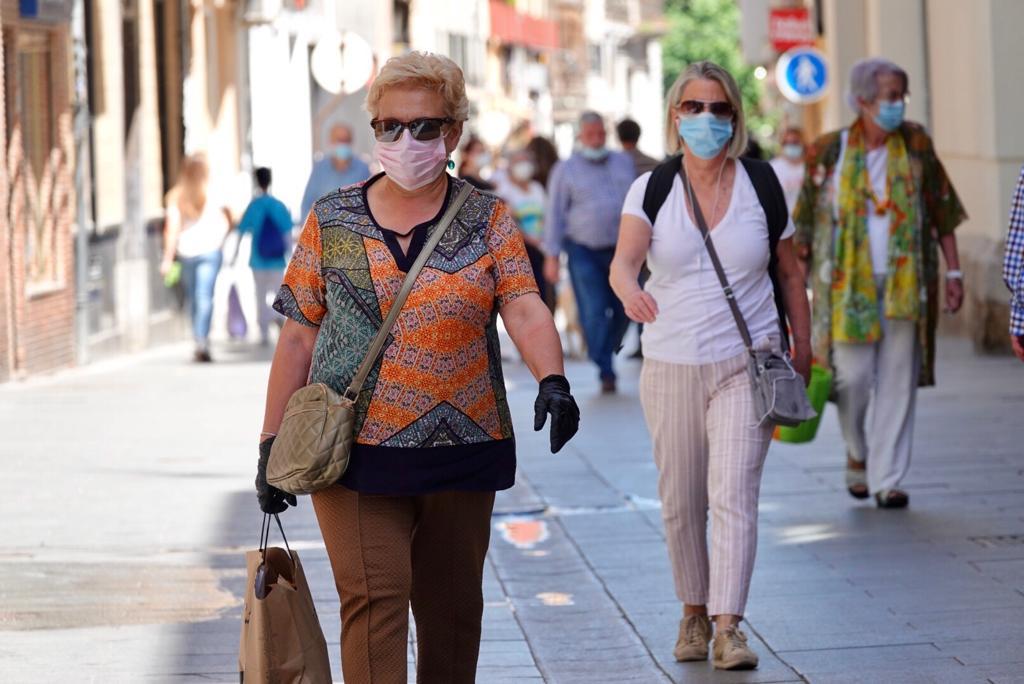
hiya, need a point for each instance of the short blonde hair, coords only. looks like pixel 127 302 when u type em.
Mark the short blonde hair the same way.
pixel 422 70
pixel 711 72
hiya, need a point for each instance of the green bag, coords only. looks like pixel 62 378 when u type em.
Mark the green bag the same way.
pixel 817 392
pixel 173 276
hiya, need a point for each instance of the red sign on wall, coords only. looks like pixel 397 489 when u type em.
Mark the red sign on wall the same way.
pixel 790 27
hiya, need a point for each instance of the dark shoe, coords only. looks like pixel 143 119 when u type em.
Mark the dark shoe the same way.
pixel 892 498
pixel 608 386
pixel 202 356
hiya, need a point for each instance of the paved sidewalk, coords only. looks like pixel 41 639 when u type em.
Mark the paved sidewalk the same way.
pixel 126 505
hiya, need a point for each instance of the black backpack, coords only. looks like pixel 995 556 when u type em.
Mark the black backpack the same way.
pixel 769 194
pixel 269 241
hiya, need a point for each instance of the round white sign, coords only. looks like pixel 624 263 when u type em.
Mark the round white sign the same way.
pixel 342 63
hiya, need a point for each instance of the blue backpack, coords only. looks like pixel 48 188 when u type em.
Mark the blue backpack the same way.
pixel 269 240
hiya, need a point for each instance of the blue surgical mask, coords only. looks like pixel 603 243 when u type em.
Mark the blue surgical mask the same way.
pixel 594 154
pixel 343 151
pixel 793 152
pixel 704 134
pixel 890 115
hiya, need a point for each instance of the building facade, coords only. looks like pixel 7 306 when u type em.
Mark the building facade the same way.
pixel 37 199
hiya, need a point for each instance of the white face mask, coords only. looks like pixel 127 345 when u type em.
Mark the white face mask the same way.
pixel 412 163
pixel 522 170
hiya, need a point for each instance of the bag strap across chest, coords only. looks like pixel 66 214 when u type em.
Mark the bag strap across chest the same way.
pixel 377 345
pixel 769 195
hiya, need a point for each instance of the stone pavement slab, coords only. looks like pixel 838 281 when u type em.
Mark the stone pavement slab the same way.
pixel 126 508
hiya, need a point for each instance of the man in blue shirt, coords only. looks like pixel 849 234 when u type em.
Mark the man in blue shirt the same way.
pixel 337 168
pixel 270 223
pixel 585 196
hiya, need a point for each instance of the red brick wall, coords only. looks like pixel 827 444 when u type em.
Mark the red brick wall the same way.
pixel 40 333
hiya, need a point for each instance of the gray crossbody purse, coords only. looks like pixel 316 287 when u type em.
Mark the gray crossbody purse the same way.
pixel 780 395
pixel 315 439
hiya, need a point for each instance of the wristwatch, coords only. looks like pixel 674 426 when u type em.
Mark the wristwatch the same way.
pixel 955 274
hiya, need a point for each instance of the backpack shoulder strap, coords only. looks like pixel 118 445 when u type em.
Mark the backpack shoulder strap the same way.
pixel 660 185
pixel 773 201
pixel 770 195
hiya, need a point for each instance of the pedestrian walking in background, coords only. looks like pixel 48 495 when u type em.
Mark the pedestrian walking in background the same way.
pixel 545 156
pixel 269 222
pixel 196 224
pixel 789 164
pixel 697 396
pixel 475 158
pixel 584 201
pixel 526 198
pixel 628 132
pixel 337 168
pixel 1013 268
pixel 410 519
pixel 875 202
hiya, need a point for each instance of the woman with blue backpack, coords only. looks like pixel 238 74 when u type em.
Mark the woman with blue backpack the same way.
pixel 270 223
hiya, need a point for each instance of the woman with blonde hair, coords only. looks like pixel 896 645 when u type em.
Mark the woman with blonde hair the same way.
pixel 697 396
pixel 195 227
pixel 410 519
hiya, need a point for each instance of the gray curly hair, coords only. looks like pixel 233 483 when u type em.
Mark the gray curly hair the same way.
pixel 864 80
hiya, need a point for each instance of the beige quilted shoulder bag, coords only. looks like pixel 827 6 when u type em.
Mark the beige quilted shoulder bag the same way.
pixel 316 434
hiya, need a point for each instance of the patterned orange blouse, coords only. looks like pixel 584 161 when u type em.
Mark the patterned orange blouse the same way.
pixel 433 414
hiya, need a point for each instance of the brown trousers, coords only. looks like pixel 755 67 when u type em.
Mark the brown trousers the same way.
pixel 389 551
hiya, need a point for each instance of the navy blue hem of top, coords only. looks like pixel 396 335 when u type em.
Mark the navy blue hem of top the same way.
pixel 398 471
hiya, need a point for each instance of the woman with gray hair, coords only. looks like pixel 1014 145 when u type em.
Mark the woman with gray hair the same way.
pixel 410 519
pixel 709 442
pixel 875 206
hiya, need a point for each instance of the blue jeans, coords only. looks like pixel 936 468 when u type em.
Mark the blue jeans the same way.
pixel 602 317
pixel 198 275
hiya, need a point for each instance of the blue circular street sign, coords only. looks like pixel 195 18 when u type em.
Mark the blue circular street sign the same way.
pixel 802 75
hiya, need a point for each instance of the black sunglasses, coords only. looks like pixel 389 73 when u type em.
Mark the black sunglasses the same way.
pixel 425 128
pixel 718 108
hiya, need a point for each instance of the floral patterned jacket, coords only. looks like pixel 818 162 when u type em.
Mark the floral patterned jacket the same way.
pixel 940 213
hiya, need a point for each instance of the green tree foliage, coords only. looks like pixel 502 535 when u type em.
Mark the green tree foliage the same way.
pixel 710 29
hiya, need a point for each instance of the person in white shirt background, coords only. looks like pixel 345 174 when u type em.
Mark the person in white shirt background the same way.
pixel 196 225
pixel 789 165
pixel 709 443
pixel 525 198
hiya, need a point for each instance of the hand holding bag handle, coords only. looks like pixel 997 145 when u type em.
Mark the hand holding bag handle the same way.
pixel 779 392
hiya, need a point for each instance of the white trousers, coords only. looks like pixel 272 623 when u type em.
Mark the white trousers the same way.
pixel 876 384
pixel 710 453
pixel 266 281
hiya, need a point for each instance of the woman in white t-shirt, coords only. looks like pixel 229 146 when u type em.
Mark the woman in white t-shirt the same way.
pixel 194 231
pixel 709 443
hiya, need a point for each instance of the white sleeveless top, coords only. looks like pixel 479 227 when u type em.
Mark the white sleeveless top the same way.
pixel 201 235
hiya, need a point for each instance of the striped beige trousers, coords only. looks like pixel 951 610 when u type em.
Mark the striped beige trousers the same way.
pixel 710 454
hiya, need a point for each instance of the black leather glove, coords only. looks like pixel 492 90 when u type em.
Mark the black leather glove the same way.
pixel 553 397
pixel 272 500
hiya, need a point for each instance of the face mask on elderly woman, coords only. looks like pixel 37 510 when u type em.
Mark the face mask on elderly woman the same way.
pixel 890 115
pixel 412 163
